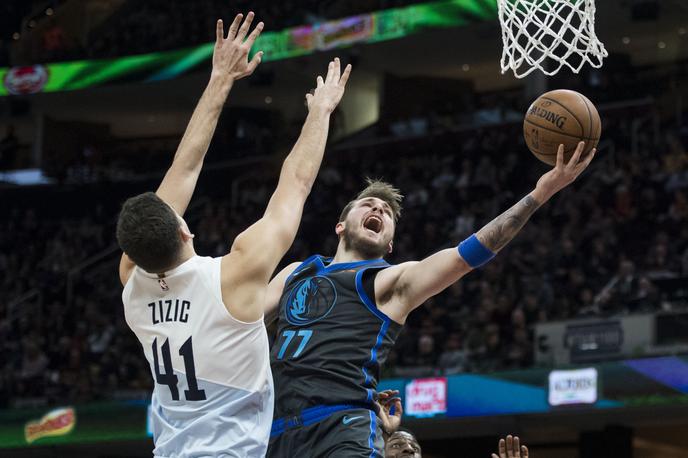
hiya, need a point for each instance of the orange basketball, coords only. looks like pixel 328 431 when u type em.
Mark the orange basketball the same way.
pixel 561 117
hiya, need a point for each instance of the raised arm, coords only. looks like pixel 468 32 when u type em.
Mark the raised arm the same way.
pixel 410 284
pixel 230 63
pixel 256 252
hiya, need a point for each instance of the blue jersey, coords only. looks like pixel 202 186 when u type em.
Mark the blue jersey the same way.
pixel 331 338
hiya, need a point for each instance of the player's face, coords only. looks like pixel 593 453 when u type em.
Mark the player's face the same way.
pixel 369 228
pixel 402 444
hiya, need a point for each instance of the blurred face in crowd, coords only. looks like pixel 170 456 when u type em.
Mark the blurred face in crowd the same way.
pixel 402 444
pixel 368 228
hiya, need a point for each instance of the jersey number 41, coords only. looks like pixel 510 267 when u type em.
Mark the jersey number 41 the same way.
pixel 169 378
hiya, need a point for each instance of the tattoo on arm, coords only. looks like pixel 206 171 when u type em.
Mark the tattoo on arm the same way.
pixel 501 230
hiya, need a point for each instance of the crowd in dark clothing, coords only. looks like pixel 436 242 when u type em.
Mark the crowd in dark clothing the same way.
pixel 597 248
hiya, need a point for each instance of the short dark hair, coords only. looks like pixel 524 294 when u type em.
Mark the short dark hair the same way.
pixel 148 232
pixel 381 190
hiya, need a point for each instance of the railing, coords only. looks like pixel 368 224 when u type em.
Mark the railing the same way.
pixel 22 304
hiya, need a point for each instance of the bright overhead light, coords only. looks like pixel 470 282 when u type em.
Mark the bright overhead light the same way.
pixel 16 36
pixel 49 12
pixel 626 40
pixel 661 45
pixel 268 100
pixel 465 67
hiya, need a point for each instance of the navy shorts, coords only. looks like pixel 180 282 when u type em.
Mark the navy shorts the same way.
pixel 353 433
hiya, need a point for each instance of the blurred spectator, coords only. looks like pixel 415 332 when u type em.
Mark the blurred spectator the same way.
pixel 453 359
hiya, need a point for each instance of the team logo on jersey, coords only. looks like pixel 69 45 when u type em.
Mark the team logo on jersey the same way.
pixel 311 300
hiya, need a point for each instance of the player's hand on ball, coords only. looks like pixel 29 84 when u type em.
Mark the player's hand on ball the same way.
pixel 230 56
pixel 564 174
pixel 329 91
pixel 511 448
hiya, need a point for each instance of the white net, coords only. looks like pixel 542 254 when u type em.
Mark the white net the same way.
pixel 548 35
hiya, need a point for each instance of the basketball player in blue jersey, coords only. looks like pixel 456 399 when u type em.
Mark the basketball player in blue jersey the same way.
pixel 338 317
pixel 199 319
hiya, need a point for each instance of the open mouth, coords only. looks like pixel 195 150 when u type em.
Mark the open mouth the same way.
pixel 373 223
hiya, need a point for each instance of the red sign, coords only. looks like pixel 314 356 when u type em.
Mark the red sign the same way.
pixel 426 397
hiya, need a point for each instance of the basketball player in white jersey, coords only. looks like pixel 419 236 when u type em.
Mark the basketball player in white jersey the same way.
pixel 200 319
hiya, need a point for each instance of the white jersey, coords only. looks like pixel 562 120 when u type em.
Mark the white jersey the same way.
pixel 213 394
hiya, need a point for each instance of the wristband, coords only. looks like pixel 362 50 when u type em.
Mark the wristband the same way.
pixel 475 253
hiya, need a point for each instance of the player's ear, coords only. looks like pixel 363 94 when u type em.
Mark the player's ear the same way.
pixel 339 228
pixel 390 247
pixel 185 233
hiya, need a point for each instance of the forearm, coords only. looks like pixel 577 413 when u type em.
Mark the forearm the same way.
pixel 501 230
pixel 179 182
pixel 303 162
pixel 199 132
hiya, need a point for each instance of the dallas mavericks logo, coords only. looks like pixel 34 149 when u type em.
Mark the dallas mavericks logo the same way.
pixel 311 300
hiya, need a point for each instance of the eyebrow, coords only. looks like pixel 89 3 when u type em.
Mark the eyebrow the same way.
pixel 384 204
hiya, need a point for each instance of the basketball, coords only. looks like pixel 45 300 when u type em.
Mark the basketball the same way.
pixel 561 117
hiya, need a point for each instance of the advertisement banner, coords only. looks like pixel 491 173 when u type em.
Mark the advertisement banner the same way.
pixel 426 397
pixel 573 387
pixel 646 382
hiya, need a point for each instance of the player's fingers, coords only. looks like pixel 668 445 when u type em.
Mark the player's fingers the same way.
pixel 330 72
pixel 254 35
pixel 309 97
pixel 337 69
pixel 219 32
pixel 398 410
pixel 576 155
pixel 494 456
pixel 257 59
pixel 345 76
pixel 243 30
pixel 516 447
pixel 235 26
pixel 320 81
pixel 509 445
pixel 583 164
pixel 560 157
pixel 524 451
pixel 502 448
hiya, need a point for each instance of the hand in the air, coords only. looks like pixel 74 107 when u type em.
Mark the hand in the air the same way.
pixel 329 91
pixel 230 56
pixel 511 448
pixel 386 399
pixel 564 174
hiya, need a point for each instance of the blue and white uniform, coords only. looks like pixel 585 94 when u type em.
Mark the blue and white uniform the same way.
pixel 213 394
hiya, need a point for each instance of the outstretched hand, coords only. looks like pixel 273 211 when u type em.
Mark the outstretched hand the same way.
pixel 230 56
pixel 564 174
pixel 387 399
pixel 511 448
pixel 329 91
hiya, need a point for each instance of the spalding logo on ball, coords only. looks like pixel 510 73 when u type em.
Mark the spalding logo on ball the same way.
pixel 561 117
pixel 26 80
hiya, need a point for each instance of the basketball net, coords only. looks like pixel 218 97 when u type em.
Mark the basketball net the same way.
pixel 548 35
